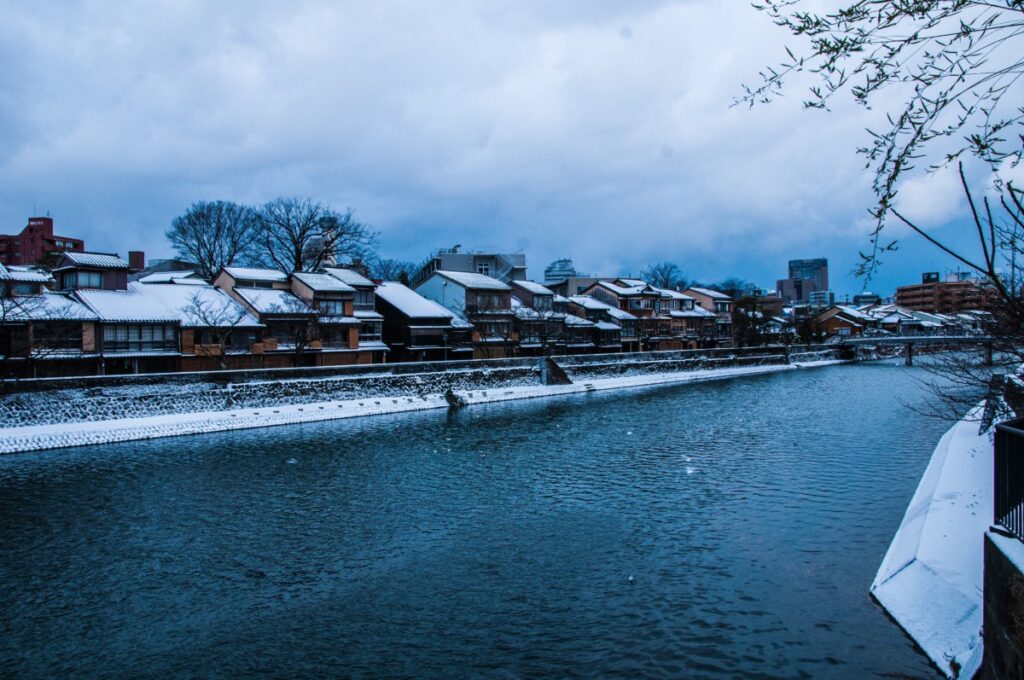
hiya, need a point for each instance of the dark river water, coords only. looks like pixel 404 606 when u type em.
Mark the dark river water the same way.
pixel 715 530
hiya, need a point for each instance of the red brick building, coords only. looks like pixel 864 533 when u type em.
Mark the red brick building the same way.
pixel 36 243
pixel 945 297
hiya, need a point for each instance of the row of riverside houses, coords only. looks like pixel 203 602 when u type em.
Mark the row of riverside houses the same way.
pixel 85 317
pixel 877 319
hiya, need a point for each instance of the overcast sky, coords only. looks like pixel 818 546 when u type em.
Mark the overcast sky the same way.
pixel 601 133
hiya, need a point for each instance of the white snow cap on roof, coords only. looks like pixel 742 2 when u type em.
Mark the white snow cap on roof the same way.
pixel 127 306
pixel 674 294
pixel 47 307
pixel 323 282
pixel 167 277
pixel 273 301
pixel 633 283
pixel 197 306
pixel 102 260
pixel 411 303
pixel 710 293
pixel 473 280
pixel 349 276
pixel 256 274
pixel 587 302
pixel 18 274
pixel 533 287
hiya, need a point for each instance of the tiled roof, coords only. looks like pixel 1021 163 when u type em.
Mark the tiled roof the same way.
pixel 323 282
pixel 271 301
pixel 472 280
pixel 99 260
pixel 352 278
pixel 256 274
pixel 411 303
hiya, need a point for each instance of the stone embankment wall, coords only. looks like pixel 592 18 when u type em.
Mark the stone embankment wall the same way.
pixel 98 398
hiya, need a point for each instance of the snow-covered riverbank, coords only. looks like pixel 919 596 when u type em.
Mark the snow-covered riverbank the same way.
pixel 36 437
pixel 930 581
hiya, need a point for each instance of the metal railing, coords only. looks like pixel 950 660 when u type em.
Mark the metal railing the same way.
pixel 1009 477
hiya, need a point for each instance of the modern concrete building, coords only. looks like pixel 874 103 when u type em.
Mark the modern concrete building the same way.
pixel 504 267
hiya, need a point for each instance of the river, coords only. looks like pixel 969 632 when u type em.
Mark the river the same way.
pixel 717 530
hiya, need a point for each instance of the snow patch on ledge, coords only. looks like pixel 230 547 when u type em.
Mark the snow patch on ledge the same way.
pixel 33 438
pixel 930 581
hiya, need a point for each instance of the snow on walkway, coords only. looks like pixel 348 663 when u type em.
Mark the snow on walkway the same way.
pixel 930 581
pixel 38 437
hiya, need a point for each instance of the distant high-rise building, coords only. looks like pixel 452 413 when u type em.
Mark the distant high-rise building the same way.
pixel 559 270
pixel 805 277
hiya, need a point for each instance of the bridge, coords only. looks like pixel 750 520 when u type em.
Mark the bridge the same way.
pixel 910 341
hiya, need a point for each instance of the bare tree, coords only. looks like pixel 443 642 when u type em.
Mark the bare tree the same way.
pixel 299 234
pixel 34 328
pixel 217 316
pixel 388 269
pixel 302 329
pixel 665 275
pixel 959 378
pixel 955 66
pixel 213 234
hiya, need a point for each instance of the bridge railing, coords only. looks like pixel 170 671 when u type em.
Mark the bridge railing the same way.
pixel 1009 477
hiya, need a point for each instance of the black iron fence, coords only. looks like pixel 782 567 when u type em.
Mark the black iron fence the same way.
pixel 1009 477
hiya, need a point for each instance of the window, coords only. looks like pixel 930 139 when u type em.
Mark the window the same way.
pixel 492 329
pixel 90 279
pixel 334 336
pixel 139 337
pixel 364 299
pixel 483 268
pixel 490 301
pixel 57 335
pixel 332 307
pixel 369 331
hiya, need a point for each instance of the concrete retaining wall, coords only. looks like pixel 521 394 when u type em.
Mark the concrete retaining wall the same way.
pixel 98 398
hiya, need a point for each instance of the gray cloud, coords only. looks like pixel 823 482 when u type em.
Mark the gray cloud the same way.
pixel 600 131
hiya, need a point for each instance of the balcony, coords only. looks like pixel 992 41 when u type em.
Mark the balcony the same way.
pixel 1009 477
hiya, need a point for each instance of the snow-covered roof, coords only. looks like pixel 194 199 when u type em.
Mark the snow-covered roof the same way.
pixel 625 291
pixel 349 276
pixel 607 326
pixel 323 282
pixel 99 260
pixel 573 320
pixel 126 306
pixel 46 307
pixel 620 314
pixel 591 303
pixel 560 299
pixel 458 322
pixel 367 314
pixel 168 277
pixel 674 294
pixel 710 293
pixel 587 302
pixel 23 275
pixel 633 283
pixel 473 280
pixel 533 287
pixel 256 274
pixel 272 301
pixel 695 313
pixel 196 306
pixel 411 303
pixel 854 313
